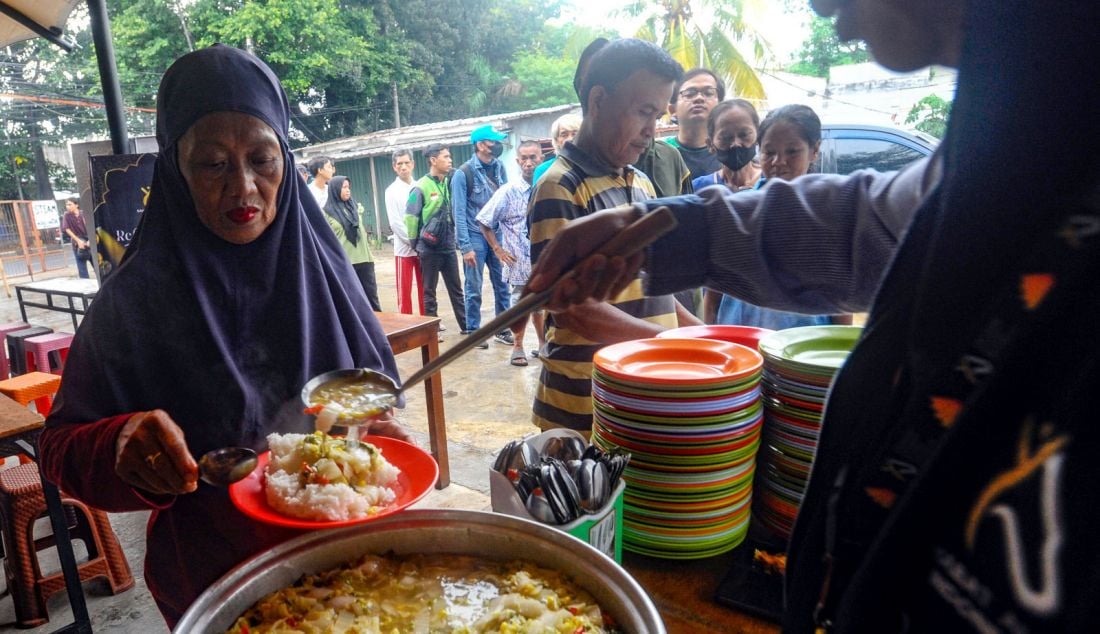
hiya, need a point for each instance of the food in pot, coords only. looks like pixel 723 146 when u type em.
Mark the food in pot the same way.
pixel 428 593
pixel 318 477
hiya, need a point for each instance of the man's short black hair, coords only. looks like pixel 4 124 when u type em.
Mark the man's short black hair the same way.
pixel 74 200
pixel 398 154
pixel 316 163
pixel 695 72
pixel 433 150
pixel 615 61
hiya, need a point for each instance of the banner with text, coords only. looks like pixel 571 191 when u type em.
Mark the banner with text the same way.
pixel 120 189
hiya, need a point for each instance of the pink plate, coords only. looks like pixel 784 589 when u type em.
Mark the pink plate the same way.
pixel 418 474
pixel 745 335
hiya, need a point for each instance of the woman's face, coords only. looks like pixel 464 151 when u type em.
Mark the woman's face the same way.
pixel 784 154
pixel 733 128
pixel 233 165
pixel 345 191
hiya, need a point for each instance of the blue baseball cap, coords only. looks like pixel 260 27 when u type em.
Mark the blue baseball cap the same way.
pixel 486 133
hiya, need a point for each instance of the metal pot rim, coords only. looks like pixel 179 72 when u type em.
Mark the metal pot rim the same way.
pixel 481 533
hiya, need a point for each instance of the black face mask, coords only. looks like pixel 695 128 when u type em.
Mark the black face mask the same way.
pixel 736 157
pixel 496 149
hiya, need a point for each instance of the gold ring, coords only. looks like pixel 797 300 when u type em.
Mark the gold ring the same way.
pixel 152 459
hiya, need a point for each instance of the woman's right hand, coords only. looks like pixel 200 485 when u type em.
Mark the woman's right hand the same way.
pixel 151 454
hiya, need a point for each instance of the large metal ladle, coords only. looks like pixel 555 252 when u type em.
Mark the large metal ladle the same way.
pixel 638 235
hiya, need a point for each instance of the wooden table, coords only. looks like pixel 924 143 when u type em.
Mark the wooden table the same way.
pixel 408 332
pixel 683 592
pixel 66 295
pixel 19 429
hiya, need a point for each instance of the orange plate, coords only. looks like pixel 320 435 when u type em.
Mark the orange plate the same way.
pixel 418 474
pixel 678 361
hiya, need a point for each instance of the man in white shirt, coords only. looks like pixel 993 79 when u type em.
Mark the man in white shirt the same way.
pixel 405 258
pixel 322 170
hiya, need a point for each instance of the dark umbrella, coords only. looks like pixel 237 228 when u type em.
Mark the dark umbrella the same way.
pixel 23 19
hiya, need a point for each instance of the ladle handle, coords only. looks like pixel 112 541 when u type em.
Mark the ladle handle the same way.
pixel 635 237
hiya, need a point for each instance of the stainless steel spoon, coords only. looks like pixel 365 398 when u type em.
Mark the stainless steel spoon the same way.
pixel 384 391
pixel 222 467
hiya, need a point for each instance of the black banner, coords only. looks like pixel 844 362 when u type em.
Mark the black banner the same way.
pixel 120 189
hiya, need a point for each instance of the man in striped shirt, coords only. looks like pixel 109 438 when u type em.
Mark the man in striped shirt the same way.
pixel 623 86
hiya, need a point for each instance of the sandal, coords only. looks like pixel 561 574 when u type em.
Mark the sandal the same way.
pixel 519 358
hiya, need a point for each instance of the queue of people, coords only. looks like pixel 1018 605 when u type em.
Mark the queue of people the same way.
pixel 953 483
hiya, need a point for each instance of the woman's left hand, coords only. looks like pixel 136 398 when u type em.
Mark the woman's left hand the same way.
pixel 385 424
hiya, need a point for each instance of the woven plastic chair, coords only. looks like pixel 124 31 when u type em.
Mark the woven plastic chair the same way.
pixel 21 504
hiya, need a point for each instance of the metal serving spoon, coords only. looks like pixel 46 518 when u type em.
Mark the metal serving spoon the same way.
pixel 222 467
pixel 384 390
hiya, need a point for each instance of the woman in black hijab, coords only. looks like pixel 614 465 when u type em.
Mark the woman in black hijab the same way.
pixel 343 216
pixel 232 295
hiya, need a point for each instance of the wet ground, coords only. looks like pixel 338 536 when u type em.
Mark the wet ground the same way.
pixel 487 403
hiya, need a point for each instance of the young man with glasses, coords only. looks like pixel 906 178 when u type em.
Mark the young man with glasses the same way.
pixel 692 100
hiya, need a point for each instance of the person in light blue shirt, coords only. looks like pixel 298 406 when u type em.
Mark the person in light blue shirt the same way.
pixel 472 184
pixel 506 215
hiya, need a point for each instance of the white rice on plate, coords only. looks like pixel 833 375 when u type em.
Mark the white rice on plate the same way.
pixel 318 477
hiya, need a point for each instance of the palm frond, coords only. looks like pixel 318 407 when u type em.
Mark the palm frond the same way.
pixel 736 71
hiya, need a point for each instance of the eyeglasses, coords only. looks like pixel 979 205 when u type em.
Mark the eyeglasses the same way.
pixel 692 93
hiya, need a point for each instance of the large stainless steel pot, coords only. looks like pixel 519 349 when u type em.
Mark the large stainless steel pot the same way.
pixel 489 535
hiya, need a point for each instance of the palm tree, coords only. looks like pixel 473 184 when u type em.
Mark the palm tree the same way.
pixel 715 41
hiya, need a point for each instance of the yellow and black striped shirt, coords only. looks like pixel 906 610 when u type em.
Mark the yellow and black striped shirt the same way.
pixel 574 186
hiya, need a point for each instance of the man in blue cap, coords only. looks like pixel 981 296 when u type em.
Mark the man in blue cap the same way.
pixel 471 186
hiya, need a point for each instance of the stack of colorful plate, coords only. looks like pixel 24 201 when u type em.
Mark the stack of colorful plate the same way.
pixel 689 413
pixel 799 366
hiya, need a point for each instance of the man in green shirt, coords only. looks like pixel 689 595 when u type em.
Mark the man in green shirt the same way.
pixel 431 196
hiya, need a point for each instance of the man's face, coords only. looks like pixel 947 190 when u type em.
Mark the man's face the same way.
pixel 441 163
pixel 528 157
pixel 624 121
pixel 564 136
pixel 903 35
pixel 697 97
pixel 71 207
pixel 403 167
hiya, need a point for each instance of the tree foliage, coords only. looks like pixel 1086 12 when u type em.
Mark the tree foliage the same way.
pixel 340 61
pixel 823 49
pixel 930 115
pixel 727 42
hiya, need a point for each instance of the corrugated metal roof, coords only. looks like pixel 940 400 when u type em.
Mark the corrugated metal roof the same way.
pixel 417 137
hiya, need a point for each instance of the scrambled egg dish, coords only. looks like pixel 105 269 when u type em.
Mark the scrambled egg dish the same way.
pixel 457 594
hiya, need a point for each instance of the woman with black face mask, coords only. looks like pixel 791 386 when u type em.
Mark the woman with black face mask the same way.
pixel 731 135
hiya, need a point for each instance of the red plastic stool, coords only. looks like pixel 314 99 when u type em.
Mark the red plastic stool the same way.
pixel 38 387
pixel 5 366
pixel 38 350
pixel 21 504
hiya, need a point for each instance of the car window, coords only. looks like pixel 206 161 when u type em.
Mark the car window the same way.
pixel 884 156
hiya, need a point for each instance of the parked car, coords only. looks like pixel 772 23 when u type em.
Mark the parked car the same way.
pixel 846 148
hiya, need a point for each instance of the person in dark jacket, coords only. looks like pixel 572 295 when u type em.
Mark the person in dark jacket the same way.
pixel 955 484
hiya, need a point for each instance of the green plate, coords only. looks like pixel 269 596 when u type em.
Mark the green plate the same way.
pixel 813 349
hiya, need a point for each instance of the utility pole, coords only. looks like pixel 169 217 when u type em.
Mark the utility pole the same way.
pixel 396 108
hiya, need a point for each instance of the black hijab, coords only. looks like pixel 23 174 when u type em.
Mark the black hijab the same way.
pixel 221 336
pixel 346 212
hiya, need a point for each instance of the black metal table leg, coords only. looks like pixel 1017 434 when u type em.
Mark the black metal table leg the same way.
pixel 81 621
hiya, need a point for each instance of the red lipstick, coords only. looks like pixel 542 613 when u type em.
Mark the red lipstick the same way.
pixel 241 215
